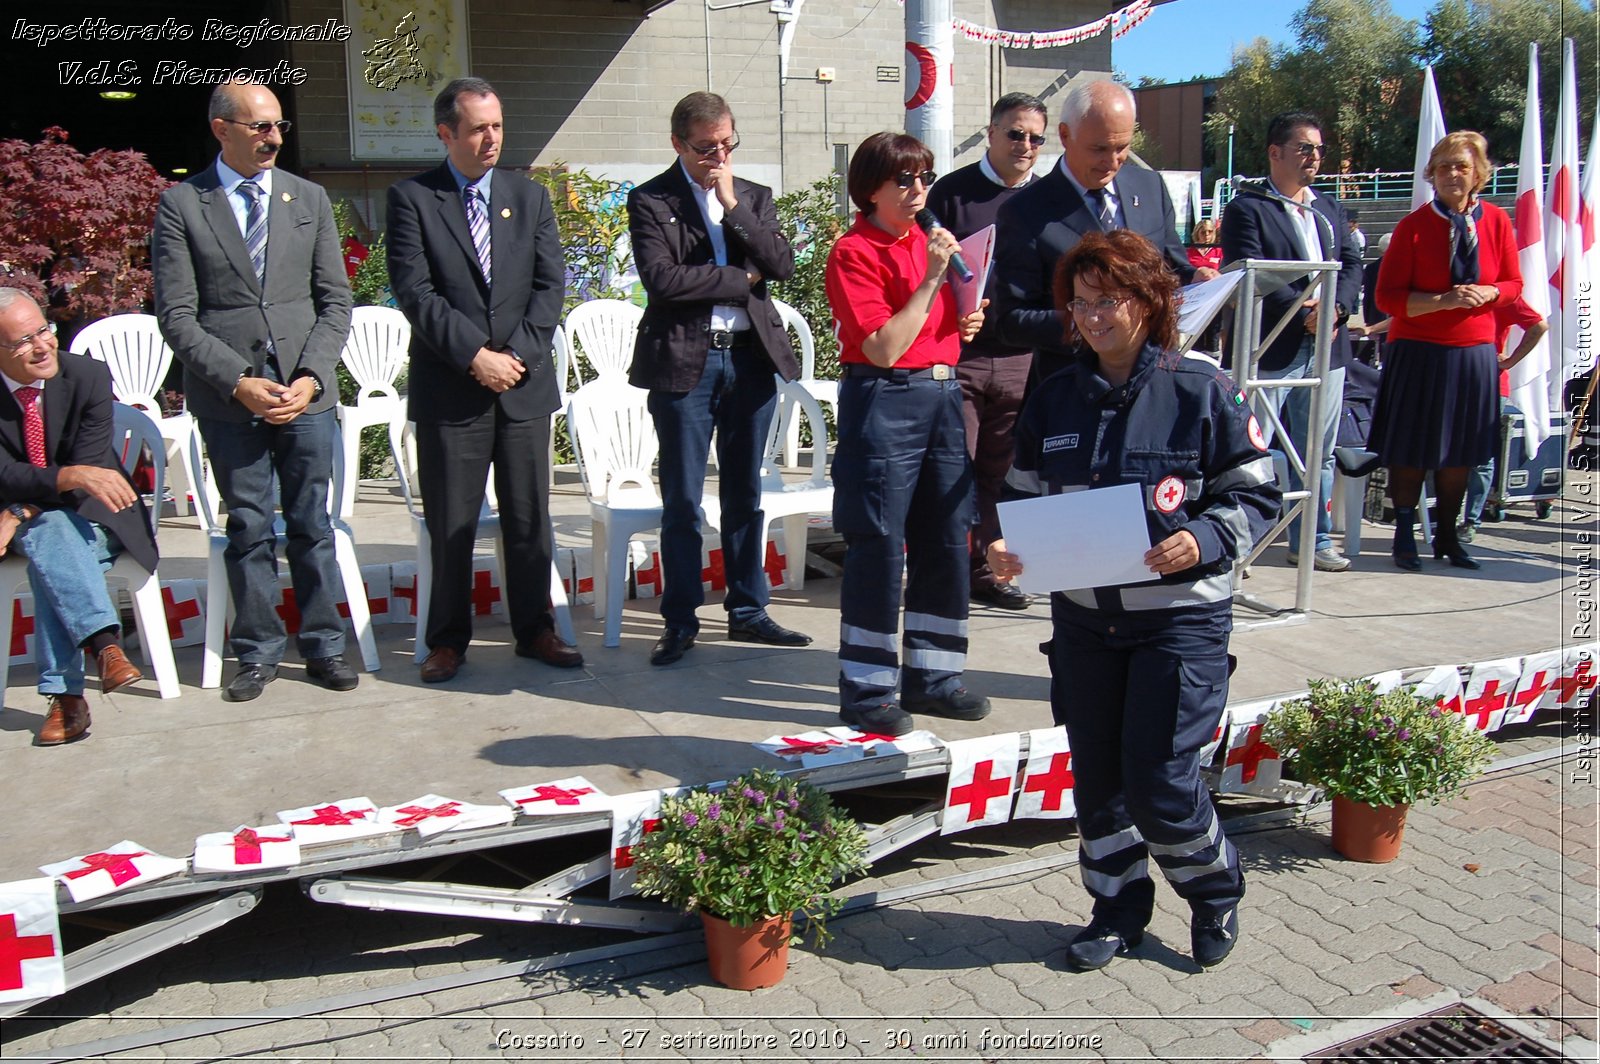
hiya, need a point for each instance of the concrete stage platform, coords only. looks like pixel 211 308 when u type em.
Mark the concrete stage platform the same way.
pixel 162 772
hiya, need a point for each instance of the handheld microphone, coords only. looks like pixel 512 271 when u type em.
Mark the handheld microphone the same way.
pixel 929 222
pixel 1258 186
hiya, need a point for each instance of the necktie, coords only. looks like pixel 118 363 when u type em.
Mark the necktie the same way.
pixel 255 228
pixel 1103 209
pixel 32 423
pixel 478 222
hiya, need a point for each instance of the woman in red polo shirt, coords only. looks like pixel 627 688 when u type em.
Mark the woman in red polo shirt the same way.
pixel 1449 265
pixel 903 493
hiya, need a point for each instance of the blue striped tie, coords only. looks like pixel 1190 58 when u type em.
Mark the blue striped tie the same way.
pixel 478 222
pixel 255 228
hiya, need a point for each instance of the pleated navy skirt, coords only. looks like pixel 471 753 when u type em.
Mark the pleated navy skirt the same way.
pixel 1438 407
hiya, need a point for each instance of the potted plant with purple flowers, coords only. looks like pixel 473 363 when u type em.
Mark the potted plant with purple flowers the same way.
pixel 747 857
pixel 1376 755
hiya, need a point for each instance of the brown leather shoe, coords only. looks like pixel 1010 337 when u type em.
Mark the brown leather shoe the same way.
pixel 66 721
pixel 442 664
pixel 116 671
pixel 548 648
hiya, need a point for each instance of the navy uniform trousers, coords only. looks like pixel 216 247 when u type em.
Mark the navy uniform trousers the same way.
pixel 903 498
pixel 1140 693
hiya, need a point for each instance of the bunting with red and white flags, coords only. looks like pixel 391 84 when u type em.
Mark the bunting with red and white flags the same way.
pixel 32 964
pixel 879 745
pixel 575 794
pixel 811 749
pixel 433 814
pixel 632 817
pixel 348 818
pixel 1046 791
pixel 1430 131
pixel 1442 687
pixel 1252 765
pixel 1384 682
pixel 1530 378
pixel 1579 672
pixel 983 775
pixel 246 849
pixel 1488 693
pixel 127 864
pixel 1539 672
pixel 1563 235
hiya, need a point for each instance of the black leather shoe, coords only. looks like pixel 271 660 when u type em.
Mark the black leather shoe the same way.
pixel 249 680
pixel 671 646
pixel 960 704
pixel 764 629
pixel 1451 548
pixel 884 719
pixel 1211 937
pixel 1005 596
pixel 1095 945
pixel 333 673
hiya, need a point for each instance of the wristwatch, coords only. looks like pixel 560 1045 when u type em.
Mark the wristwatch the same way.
pixel 20 512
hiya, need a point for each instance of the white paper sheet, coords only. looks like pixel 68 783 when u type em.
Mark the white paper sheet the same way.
pixel 1080 539
pixel 978 251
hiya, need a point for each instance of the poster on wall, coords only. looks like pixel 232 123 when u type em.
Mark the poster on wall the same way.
pixel 399 54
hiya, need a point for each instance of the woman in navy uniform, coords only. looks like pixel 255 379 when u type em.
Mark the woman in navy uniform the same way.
pixel 1139 672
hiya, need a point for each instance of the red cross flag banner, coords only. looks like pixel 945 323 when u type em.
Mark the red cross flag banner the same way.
pixel 21 649
pixel 185 609
pixel 1209 750
pixel 433 814
pixel 348 818
pixel 1047 781
pixel 1442 686
pixel 1579 671
pixel 127 864
pixel 575 794
pixel 378 581
pixel 402 593
pixel 1251 764
pixel 486 591
pixel 32 965
pixel 878 745
pixel 1539 674
pixel 1384 682
pixel 632 815
pixel 983 775
pixel 246 849
pixel 811 749
pixel 1488 692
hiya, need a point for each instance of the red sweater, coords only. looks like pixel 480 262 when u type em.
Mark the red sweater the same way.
pixel 1418 260
pixel 871 275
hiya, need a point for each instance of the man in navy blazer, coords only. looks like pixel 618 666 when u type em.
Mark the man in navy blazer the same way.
pixel 706 244
pixel 1089 190
pixel 476 266
pixel 1256 227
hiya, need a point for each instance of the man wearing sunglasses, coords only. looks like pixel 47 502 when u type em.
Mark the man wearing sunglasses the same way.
pixel 1257 227
pixel 252 296
pixel 706 243
pixel 993 374
pixel 1090 190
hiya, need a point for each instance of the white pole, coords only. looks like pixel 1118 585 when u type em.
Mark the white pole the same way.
pixel 929 78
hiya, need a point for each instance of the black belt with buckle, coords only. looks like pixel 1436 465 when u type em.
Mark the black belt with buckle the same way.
pixel 938 373
pixel 727 339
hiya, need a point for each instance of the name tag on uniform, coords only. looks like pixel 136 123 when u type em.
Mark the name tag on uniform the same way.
pixel 1060 443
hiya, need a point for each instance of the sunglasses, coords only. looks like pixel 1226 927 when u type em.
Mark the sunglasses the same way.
pixel 726 146
pixel 1308 150
pixel 282 125
pixel 905 179
pixel 1036 139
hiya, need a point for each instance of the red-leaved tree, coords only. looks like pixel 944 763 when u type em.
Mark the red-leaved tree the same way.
pixel 75 228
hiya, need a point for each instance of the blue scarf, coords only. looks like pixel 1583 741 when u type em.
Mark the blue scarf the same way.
pixel 1463 241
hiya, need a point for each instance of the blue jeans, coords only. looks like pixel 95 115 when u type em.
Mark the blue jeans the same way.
pixel 70 600
pixel 1479 482
pixel 736 397
pixel 1294 407
pixel 252 461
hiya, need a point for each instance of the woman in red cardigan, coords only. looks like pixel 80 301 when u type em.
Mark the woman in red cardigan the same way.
pixel 1449 265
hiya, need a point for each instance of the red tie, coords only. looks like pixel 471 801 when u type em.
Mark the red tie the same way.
pixel 32 423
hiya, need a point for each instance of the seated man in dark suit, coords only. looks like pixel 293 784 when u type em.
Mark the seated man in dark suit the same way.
pixel 69 508
pixel 1089 190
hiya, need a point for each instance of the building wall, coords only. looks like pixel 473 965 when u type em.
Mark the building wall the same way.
pixel 1172 118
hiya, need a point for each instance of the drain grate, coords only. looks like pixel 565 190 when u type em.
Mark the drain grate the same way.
pixel 1456 1033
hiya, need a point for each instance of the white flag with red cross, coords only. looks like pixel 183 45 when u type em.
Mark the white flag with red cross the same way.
pixel 22 634
pixel 1442 686
pixel 1563 238
pixel 1384 682
pixel 1488 692
pixel 575 794
pixel 1209 751
pixel 1251 765
pixel 433 814
pixel 246 849
pixel 983 777
pixel 127 864
pixel 1579 670
pixel 647 576
pixel 880 745
pixel 487 595
pixel 1530 386
pixel 348 818
pixel 32 964
pixel 811 749
pixel 1539 673
pixel 1046 791
pixel 184 607
pixel 378 580
pixel 632 816
pixel 402 593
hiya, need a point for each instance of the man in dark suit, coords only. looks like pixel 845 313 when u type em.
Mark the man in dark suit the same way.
pixel 1090 189
pixel 475 263
pixel 68 507
pixel 706 243
pixel 1257 227
pixel 252 296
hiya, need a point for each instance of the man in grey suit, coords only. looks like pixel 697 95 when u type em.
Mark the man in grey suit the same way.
pixel 1089 190
pixel 252 296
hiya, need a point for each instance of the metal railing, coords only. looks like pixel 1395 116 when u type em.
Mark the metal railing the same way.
pixel 1386 184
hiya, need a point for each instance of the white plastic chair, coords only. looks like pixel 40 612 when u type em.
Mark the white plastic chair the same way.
pixel 375 353
pixel 488 528
pixel 219 602
pixel 824 392
pixel 132 431
pixel 131 346
pixel 601 333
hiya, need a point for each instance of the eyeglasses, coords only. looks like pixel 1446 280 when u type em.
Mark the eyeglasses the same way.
pixel 722 146
pixel 1307 149
pixel 37 336
pixel 1036 139
pixel 1104 305
pixel 260 129
pixel 905 178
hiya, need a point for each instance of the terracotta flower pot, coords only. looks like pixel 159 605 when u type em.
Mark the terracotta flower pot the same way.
pixel 1370 833
pixel 747 958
